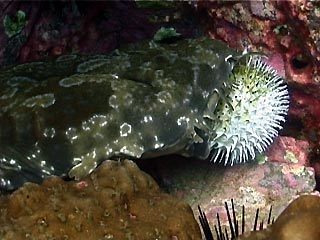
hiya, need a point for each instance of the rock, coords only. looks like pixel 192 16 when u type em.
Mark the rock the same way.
pixel 299 221
pixel 60 27
pixel 254 185
pixel 289 30
pixel 117 201
pixel 289 150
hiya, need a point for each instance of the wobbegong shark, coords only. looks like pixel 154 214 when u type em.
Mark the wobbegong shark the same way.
pixel 195 97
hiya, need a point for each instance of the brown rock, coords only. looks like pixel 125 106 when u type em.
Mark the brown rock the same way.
pixel 117 201
pixel 299 221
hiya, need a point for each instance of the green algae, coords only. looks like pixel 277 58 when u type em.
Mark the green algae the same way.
pixel 13 25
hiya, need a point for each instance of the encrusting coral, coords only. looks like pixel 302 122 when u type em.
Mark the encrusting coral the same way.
pixel 117 201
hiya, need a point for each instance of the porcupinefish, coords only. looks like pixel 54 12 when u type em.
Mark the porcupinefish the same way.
pixel 195 97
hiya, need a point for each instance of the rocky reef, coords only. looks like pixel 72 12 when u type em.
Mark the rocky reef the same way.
pixel 117 201
pixel 288 31
pixel 255 186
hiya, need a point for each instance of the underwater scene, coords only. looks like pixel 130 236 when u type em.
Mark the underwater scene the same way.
pixel 159 120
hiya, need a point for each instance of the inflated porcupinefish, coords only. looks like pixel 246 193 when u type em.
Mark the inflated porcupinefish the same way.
pixel 198 98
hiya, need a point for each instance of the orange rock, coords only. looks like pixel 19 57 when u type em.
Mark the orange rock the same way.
pixel 117 201
pixel 299 221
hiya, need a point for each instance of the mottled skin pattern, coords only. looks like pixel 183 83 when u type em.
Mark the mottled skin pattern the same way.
pixel 145 100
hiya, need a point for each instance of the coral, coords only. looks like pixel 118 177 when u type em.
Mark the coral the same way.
pixel 117 201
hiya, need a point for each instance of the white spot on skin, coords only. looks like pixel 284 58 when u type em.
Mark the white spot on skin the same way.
pixel 140 135
pixel 195 70
pixel 86 126
pixel 125 150
pixel 113 101
pixel 182 120
pixel 157 143
pixel 44 100
pixel 38 65
pixel 158 74
pixel 9 93
pixel 18 80
pixel 46 172
pixel 5 182
pixel 98 136
pixel 166 83
pixel 109 117
pixel 9 106
pixel 71 134
pixel 71 81
pixel 129 99
pixel 125 129
pixel 117 85
pixel 115 76
pixel 95 122
pixel 76 161
pixel 205 94
pixel 109 150
pixel 147 119
pixel 66 58
pixel 133 150
pixel 94 154
pixel 91 65
pixel 49 132
pixel 164 96
pixel 189 90
pixel 102 124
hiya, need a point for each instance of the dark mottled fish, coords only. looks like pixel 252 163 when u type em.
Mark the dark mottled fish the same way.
pixel 145 100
